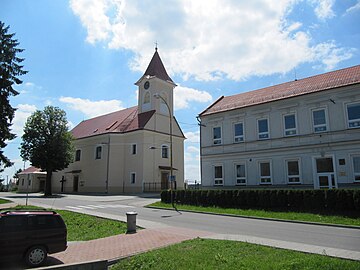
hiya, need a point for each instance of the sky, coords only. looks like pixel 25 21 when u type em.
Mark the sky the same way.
pixel 84 56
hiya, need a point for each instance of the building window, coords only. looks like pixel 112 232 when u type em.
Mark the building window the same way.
pixel 133 177
pixel 293 171
pixel 263 129
pixel 319 120
pixel 146 104
pixel 356 166
pixel 240 174
pixel 133 149
pixel 353 115
pixel 239 132
pixel 217 135
pixel 77 155
pixel 218 176
pixel 290 125
pixel 164 151
pixel 265 172
pixel 98 152
pixel 22 182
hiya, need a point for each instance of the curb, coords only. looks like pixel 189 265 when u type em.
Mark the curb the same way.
pixel 264 218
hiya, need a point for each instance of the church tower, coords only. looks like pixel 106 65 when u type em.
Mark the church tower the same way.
pixel 154 83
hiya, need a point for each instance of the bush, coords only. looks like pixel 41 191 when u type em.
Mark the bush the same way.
pixel 297 200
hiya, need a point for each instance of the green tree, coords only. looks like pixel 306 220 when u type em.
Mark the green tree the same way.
pixel 47 142
pixel 16 175
pixel 10 69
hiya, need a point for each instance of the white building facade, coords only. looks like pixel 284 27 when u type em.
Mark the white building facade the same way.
pixel 300 134
pixel 132 150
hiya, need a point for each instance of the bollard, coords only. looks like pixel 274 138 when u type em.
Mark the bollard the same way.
pixel 131 222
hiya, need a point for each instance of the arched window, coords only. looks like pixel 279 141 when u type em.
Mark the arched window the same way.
pixel 163 107
pixel 146 103
pixel 164 151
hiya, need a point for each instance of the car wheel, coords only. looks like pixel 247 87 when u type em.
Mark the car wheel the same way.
pixel 36 255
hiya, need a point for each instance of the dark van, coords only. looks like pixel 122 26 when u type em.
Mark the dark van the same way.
pixel 31 235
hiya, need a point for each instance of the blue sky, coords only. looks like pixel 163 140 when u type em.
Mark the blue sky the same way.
pixel 84 56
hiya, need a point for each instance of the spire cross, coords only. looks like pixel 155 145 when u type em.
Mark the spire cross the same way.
pixel 156 44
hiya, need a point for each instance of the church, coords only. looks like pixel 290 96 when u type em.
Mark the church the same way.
pixel 138 149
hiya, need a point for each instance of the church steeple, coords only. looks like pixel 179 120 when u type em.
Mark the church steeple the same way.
pixel 155 81
pixel 156 68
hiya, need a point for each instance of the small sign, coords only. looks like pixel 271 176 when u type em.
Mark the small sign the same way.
pixel 172 178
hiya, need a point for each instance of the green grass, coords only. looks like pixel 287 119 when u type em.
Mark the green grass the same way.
pixel 320 218
pixel 221 254
pixel 83 227
pixel 4 201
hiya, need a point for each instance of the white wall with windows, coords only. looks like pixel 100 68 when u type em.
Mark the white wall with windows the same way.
pixel 283 143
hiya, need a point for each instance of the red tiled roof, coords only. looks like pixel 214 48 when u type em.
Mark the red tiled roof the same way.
pixel 326 81
pixel 156 68
pixel 117 122
pixel 31 169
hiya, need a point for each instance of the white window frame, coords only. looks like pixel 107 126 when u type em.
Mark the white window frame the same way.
pixel 290 131
pixel 165 146
pixel 239 138
pixel 293 176
pixel 96 147
pixel 132 149
pixel 238 180
pixel 132 177
pixel 326 125
pixel 355 174
pixel 261 177
pixel 267 133
pixel 219 181
pixel 217 141
pixel 354 122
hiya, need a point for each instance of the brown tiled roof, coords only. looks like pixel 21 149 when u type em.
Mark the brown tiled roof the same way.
pixel 117 122
pixel 31 169
pixel 326 81
pixel 157 69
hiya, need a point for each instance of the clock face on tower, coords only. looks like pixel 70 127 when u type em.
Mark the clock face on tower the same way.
pixel 146 84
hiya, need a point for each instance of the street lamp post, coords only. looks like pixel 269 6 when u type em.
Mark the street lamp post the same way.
pixel 158 96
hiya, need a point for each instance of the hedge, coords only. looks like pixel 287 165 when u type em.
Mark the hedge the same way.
pixel 309 200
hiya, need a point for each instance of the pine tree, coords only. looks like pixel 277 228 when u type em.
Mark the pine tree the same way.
pixel 10 69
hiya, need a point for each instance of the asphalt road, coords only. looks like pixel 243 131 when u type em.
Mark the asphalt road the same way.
pixel 326 236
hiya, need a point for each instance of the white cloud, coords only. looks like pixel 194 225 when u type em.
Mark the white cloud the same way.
pixel 193 137
pixel 92 108
pixel 207 40
pixel 324 8
pixel 193 149
pixel 329 54
pixel 22 113
pixel 354 8
pixel 184 95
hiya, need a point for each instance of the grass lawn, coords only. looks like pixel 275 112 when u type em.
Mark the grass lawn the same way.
pixel 221 254
pixel 4 201
pixel 321 218
pixel 83 227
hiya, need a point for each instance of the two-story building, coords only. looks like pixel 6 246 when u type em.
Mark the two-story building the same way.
pixel 303 133
pixel 131 150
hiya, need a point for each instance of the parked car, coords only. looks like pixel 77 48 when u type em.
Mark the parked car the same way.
pixel 31 235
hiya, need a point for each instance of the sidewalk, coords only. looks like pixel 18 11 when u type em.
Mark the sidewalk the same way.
pixel 124 245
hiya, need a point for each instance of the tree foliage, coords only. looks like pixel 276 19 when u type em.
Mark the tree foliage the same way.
pixel 10 69
pixel 47 142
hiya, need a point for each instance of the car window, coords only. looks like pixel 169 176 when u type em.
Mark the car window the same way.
pixel 13 224
pixel 43 222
